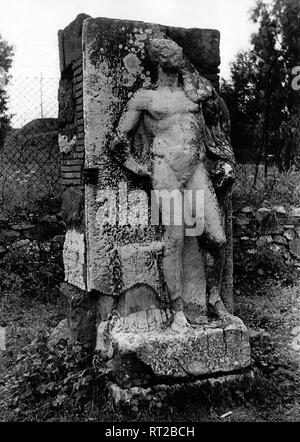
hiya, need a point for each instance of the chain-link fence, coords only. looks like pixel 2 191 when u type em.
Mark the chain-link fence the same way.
pixel 30 158
pixel 31 98
pixel 29 154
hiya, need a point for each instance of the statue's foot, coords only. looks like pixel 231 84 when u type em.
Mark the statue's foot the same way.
pixel 189 319
pixel 219 311
pixel 199 320
pixel 180 323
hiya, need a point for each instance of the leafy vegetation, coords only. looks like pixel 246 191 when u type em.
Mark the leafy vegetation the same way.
pixel 275 189
pixel 34 272
pixel 258 272
pixel 6 57
pixel 49 384
pixel 264 107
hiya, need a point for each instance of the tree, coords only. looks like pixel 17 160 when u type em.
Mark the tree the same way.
pixel 6 56
pixel 264 107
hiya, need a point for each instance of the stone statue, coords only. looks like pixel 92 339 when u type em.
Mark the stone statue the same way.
pixel 173 113
pixel 156 297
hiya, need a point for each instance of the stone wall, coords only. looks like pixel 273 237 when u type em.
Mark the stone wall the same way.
pixel 24 235
pixel 275 227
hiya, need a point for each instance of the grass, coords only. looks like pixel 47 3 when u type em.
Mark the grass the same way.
pixel 29 297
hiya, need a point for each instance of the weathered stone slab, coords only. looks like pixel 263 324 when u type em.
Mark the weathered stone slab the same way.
pixel 125 396
pixel 279 210
pixel 295 211
pixel 295 247
pixel 248 210
pixel 281 240
pixel 113 72
pixel 182 351
pixel 18 245
pixel 22 226
pixel 242 221
pixel 264 240
pixel 70 42
pixel 115 66
pixel 262 213
pixel 201 47
pixel 2 339
pixel 74 258
pixel 73 207
pixel 61 331
pixel 81 316
pixel 289 234
pixel 140 265
pixel 3 251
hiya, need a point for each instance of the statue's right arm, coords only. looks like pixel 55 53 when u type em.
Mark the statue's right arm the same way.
pixel 121 145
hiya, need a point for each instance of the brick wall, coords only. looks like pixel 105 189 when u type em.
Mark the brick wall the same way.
pixel 73 162
pixel 71 101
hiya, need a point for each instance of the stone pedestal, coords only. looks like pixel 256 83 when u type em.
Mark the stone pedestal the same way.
pixel 176 350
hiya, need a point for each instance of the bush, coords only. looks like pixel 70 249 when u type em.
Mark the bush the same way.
pixel 49 384
pixel 255 272
pixel 34 272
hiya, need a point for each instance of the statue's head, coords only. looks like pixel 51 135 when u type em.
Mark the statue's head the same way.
pixel 166 53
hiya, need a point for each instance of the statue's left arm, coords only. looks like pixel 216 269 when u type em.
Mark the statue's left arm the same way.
pixel 217 139
pixel 217 123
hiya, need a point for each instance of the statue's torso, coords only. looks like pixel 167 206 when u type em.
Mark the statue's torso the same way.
pixel 176 125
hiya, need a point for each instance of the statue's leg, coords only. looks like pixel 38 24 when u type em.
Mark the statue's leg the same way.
pixel 105 306
pixel 164 179
pixel 172 264
pixel 213 240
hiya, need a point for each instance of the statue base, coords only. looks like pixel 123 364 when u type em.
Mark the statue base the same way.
pixel 163 345
pixel 126 396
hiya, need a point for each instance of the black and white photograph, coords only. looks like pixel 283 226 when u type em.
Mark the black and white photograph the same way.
pixel 150 215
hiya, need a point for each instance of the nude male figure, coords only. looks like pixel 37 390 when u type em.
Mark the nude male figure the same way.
pixel 177 126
